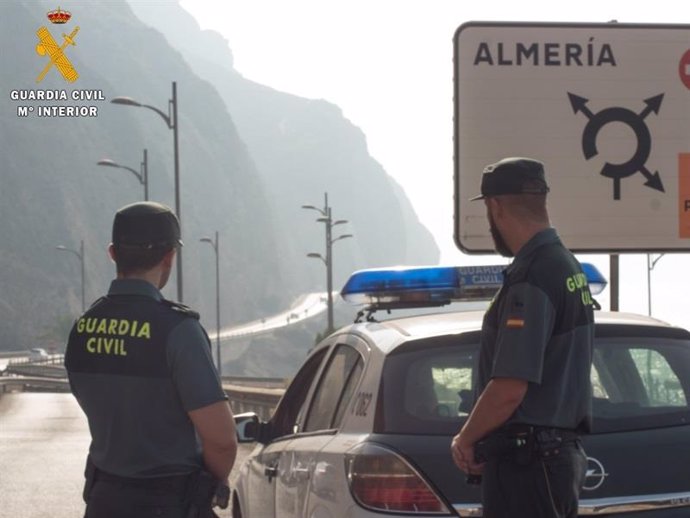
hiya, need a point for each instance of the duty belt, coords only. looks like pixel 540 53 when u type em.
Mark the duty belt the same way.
pixel 175 483
pixel 521 443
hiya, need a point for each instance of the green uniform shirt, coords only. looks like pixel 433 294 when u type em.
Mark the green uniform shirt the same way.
pixel 137 364
pixel 540 328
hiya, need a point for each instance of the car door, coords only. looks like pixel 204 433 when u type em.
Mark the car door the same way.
pixel 266 463
pixel 300 463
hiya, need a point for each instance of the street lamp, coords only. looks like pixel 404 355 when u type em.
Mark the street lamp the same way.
pixel 172 121
pixel 651 263
pixel 214 244
pixel 80 255
pixel 142 176
pixel 327 220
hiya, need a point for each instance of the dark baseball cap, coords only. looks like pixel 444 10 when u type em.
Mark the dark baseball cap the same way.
pixel 514 175
pixel 146 224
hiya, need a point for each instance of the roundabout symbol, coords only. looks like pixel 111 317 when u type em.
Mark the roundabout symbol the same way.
pixel 644 140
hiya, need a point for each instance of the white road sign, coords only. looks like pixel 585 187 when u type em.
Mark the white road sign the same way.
pixel 606 107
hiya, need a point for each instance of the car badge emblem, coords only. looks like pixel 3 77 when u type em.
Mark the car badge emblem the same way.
pixel 595 474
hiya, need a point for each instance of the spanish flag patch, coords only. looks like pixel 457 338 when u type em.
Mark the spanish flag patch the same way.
pixel 515 323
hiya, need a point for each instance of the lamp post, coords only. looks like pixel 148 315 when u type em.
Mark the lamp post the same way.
pixel 80 255
pixel 142 175
pixel 172 121
pixel 214 244
pixel 327 219
pixel 651 263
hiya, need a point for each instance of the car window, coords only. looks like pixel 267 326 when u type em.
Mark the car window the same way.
pixel 640 383
pixel 428 385
pixel 440 385
pixel 285 420
pixel 347 393
pixel 335 389
pixel 661 384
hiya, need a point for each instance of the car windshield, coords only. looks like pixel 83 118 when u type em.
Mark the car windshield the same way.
pixel 638 382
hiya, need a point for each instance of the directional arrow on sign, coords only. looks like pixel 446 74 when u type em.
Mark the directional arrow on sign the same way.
pixel 596 121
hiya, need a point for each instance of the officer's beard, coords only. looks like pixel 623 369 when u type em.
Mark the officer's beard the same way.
pixel 499 243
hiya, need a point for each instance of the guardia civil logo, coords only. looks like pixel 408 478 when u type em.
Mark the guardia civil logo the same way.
pixel 47 46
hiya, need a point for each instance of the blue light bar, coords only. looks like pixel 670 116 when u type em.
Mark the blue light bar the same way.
pixel 596 280
pixel 424 285
pixel 435 285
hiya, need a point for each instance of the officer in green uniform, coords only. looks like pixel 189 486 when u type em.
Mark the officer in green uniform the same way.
pixel 521 439
pixel 163 437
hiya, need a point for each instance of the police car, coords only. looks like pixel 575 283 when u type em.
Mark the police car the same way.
pixel 365 426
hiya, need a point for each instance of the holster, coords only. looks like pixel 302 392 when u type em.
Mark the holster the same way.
pixel 200 493
pixel 519 446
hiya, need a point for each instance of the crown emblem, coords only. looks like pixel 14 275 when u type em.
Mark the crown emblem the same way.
pixel 59 16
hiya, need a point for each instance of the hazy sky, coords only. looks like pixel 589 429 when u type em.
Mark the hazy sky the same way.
pixel 388 64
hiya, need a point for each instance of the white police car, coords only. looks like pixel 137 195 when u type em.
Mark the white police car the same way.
pixel 364 428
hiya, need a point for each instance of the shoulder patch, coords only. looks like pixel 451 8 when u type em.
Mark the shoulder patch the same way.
pixel 181 308
pixel 515 323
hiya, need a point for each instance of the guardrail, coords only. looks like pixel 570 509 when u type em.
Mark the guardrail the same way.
pixel 52 359
pixel 261 400
pixel 245 394
pixel 33 384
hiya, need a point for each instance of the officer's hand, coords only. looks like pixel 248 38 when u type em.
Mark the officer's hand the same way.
pixel 463 456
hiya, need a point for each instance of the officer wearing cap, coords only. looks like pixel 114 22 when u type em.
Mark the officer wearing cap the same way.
pixel 521 440
pixel 140 366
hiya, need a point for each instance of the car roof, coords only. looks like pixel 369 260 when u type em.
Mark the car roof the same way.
pixel 386 335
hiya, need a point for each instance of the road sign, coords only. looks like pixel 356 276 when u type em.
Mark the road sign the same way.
pixel 606 107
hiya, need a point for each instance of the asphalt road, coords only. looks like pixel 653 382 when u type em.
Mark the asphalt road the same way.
pixel 44 438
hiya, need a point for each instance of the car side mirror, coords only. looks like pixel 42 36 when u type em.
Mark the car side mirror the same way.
pixel 247 427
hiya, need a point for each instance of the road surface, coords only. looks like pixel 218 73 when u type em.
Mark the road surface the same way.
pixel 44 438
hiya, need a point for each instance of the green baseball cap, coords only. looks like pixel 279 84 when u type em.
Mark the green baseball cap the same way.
pixel 146 224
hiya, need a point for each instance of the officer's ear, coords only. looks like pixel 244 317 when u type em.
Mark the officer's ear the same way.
pixel 168 258
pixel 111 252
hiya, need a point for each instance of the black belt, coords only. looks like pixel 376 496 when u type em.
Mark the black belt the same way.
pixel 175 483
pixel 523 441
pixel 525 430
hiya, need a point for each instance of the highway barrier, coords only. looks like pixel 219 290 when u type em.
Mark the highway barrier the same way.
pixel 33 384
pixel 245 393
pixel 261 400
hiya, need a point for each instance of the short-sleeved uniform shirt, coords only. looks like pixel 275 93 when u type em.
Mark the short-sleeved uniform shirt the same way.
pixel 137 364
pixel 540 328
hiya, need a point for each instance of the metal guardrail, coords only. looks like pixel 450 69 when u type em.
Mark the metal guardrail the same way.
pixel 261 400
pixel 33 384
pixel 52 359
pixel 245 393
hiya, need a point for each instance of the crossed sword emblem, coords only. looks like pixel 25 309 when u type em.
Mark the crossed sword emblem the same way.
pixel 47 45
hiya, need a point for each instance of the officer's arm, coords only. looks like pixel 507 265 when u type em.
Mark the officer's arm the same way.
pixel 216 429
pixel 495 405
